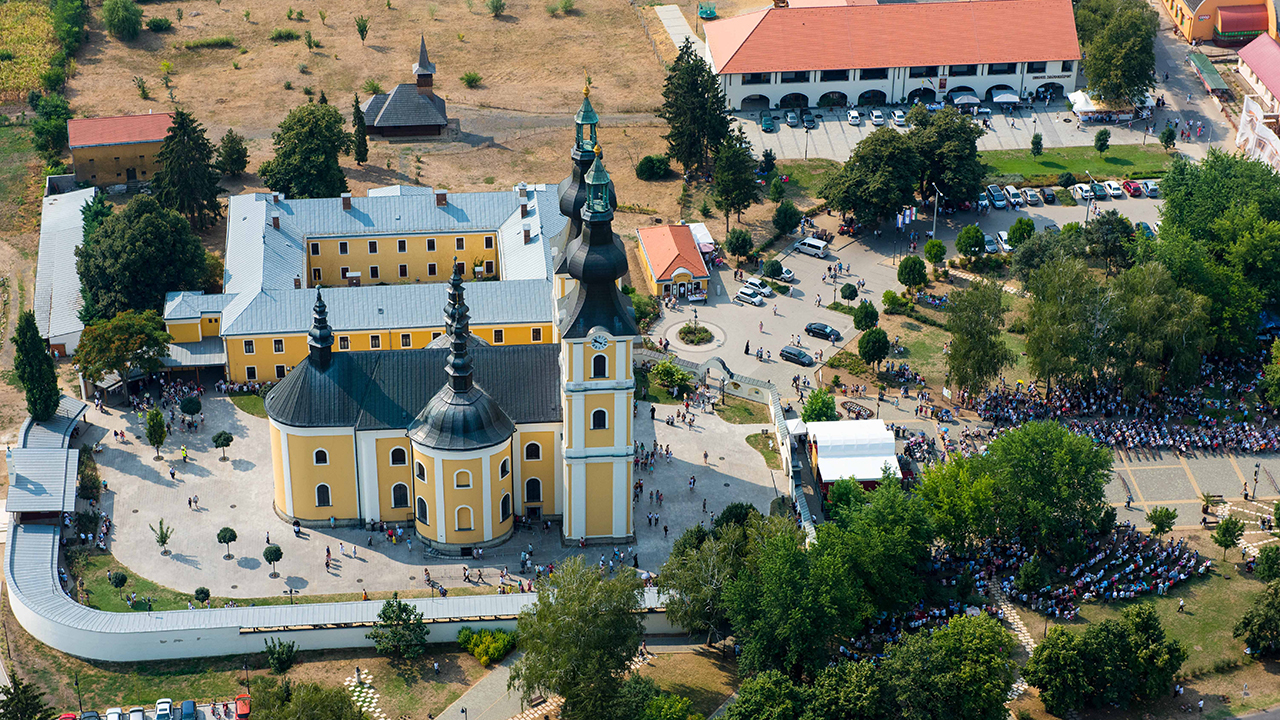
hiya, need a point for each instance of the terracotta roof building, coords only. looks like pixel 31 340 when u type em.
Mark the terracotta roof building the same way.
pixel 410 109
pixel 870 54
pixel 1259 65
pixel 117 150
pixel 672 262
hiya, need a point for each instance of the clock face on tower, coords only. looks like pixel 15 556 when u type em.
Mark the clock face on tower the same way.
pixel 599 342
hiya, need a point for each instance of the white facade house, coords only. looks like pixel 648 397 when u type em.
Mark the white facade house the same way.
pixel 1257 137
pixel 862 54
pixel 1259 65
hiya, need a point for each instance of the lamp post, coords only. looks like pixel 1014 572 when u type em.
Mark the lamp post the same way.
pixel 937 198
pixel 246 673
pixel 1256 467
pixel 79 699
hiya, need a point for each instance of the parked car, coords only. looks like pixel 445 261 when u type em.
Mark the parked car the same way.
pixel 793 119
pixel 810 122
pixel 1053 228
pixel 749 296
pixel 854 117
pixel 1151 188
pixel 990 244
pixel 137 713
pixel 877 117
pixel 1144 229
pixel 115 714
pixel 982 201
pixel 1002 239
pixel 1133 187
pixel 90 715
pixel 766 122
pixel 67 716
pixel 1099 191
pixel 242 707
pixel 812 246
pixel 1081 191
pixel 1049 196
pixel 1015 197
pixel 795 355
pixel 822 330
pixel 188 710
pixel 899 118
pixel 1031 196
pixel 787 276
pixel 1113 188
pixel 760 286
pixel 164 709
pixel 996 197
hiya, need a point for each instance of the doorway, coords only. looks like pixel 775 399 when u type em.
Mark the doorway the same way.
pixel 533 513
pixel 130 175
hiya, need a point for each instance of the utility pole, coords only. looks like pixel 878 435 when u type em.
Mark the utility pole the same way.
pixel 937 198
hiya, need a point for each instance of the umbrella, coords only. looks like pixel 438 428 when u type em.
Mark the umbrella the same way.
pixel 1006 98
pixel 966 100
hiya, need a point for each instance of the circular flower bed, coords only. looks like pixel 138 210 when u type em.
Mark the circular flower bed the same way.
pixel 692 334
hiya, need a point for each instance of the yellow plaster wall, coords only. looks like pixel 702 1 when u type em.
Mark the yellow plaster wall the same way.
pixel 599 481
pixel 389 475
pixel 339 474
pixel 184 332
pixel 455 497
pixel 425 488
pixel 588 356
pixel 544 469
pixel 599 438
pixel 277 465
pixel 109 164
pixel 210 326
pixel 499 486
pixel 388 259
pixel 648 275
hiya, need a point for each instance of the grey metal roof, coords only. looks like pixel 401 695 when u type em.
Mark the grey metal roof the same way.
pixel 187 305
pixel 208 352
pixel 42 480
pixel 57 300
pixel 384 389
pixel 392 307
pixel 56 431
pixel 392 215
pixel 404 106
pixel 520 260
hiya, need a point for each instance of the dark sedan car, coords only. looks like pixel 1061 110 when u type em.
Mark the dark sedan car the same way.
pixel 795 355
pixel 822 330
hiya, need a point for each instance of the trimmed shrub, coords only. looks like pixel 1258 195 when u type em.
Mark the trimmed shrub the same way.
pixel 159 24
pixel 653 167
pixel 487 646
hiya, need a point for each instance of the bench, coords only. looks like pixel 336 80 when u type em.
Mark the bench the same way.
pixel 536 700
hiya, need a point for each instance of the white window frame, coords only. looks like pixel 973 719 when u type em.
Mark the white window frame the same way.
pixel 599 356
pixel 526 490
pixel 470 484
pixel 249 347
pixel 328 491
pixel 593 419
pixel 530 444
pixel 391 456
pixel 471 516
pixel 504 468
pixel 407 495
pixel 315 457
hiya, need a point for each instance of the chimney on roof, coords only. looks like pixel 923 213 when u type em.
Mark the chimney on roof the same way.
pixel 522 190
pixel 275 198
pixel 297 282
pixel 275 219
pixel 780 3
pixel 346 201
pixel 442 198
pixel 528 231
pixel 524 207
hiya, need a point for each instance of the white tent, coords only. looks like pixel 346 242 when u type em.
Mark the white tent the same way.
pixel 855 449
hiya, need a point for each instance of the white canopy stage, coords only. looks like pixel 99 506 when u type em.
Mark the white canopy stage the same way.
pixel 854 449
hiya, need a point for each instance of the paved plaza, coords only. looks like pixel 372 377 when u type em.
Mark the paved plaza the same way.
pixel 238 494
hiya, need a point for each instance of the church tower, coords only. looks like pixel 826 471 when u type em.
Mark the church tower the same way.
pixel 574 194
pixel 597 329
pixel 424 71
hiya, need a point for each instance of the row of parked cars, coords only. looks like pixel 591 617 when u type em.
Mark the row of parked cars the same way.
pixel 1010 196
pixel 165 710
pixel 797 118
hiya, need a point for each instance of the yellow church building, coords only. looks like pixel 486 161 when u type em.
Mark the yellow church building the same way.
pixel 462 436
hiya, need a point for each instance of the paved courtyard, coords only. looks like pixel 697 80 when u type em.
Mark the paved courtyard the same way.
pixel 238 493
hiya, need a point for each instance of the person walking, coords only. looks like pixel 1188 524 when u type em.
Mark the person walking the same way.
pixel 196 499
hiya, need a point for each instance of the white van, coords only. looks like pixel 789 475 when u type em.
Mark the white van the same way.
pixel 812 246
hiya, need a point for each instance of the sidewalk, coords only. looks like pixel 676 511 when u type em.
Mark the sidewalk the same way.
pixel 674 22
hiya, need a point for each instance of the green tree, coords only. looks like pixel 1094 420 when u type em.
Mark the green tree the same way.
pixel 1022 229
pixel 865 316
pixel 653 167
pixel 226 536
pixel 1066 330
pixel 585 667
pixel 117 580
pixel 190 406
pixel 1102 140
pixel 23 701
pixel 163 534
pixel 1111 237
pixel 222 440
pixel 889 535
pixel 964 670
pixel 1260 625
pixel 93 213
pixel 695 578
pixel 735 513
pixel 1047 485
pixel 947 144
pixel 359 132
pixel 1057 669
pixel 1268 567
pixel 136 256
pixel 786 217
pixel 1030 577
pixel 848 291
pixel 362 27
pixel 777 190
pixel 281 654
pixel 1161 520
pixel 735 177
pixel 49 132
pixel 233 155
pixel 670 376
pixel 156 430
pixel 1119 60
pixel 122 18
pixel 771 269
pixel 694 107
pixel 978 351
pixel 879 178
pixel 849 691
pixel 400 631
pixel 187 180
pixel 959 497
pixel 1161 330
pixel 1168 138
pixel 819 407
pixel 33 368
pixel 969 242
pixel 306 153
pixel 273 554
pixel 201 594
pixel 1228 534
pixel 873 347
pixel 1037 145
pixel 273 700
pixel 911 272
pixel 129 342
pixel 738 243
pixel 769 695
pixel 935 251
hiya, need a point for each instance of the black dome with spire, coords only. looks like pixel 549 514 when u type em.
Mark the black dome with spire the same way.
pixel 461 416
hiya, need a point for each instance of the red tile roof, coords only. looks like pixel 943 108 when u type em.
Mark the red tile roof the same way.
pixel 670 247
pixel 906 35
pixel 1242 18
pixel 1262 56
pixel 119 130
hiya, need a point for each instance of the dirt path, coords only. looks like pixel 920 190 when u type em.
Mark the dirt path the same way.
pixel 17 268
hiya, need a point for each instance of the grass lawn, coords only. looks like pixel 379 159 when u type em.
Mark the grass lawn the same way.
pixel 741 411
pixel 1120 161
pixel 806 176
pixel 652 391
pixel 250 403
pixel 102 596
pixel 17 161
pixel 767 446
pixel 704 676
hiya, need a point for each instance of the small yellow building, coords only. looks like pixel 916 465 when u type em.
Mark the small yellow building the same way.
pixel 117 150
pixel 673 261
pixel 1224 22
